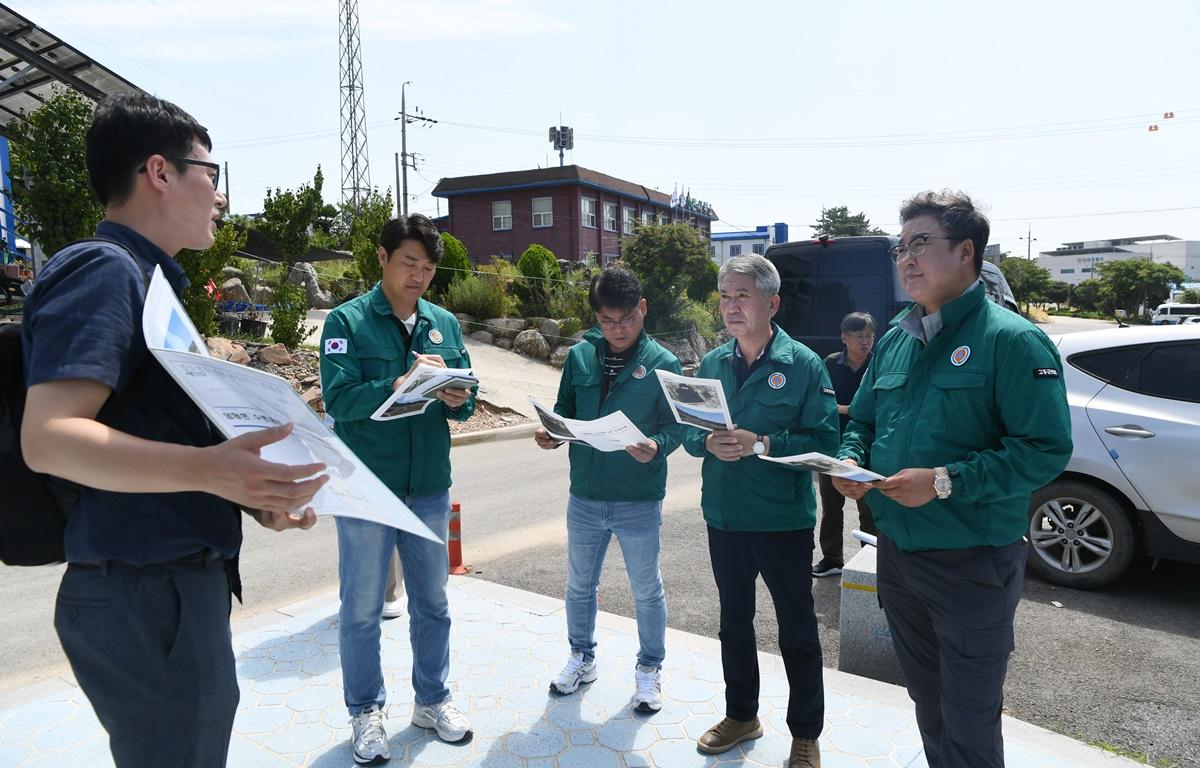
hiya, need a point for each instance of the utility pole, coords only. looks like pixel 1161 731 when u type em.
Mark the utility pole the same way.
pixel 398 211
pixel 228 206
pixel 1029 238
pixel 406 158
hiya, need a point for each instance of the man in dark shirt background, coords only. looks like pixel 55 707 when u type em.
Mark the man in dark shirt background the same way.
pixel 846 369
pixel 152 543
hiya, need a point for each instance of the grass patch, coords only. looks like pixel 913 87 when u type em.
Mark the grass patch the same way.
pixel 1133 754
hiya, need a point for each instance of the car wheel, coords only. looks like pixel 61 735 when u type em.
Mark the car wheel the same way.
pixel 1079 536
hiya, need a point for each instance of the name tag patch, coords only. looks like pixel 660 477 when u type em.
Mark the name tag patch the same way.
pixel 828 391
pixel 1045 373
pixel 335 346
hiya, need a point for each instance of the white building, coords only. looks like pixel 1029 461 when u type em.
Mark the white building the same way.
pixel 1075 262
pixel 726 245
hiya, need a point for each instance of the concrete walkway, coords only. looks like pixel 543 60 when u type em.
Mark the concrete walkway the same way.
pixel 506 646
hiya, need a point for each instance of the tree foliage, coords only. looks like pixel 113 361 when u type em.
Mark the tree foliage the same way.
pixel 454 266
pixel 1058 292
pixel 1133 283
pixel 288 217
pixel 669 259
pixel 539 274
pixel 1087 295
pixel 837 222
pixel 1190 296
pixel 51 194
pixel 1028 281
pixel 364 225
pixel 201 267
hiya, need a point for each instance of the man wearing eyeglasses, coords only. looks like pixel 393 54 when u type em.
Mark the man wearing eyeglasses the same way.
pixel 618 493
pixel 963 410
pixel 846 369
pixel 153 539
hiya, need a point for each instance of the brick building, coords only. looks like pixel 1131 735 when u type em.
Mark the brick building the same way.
pixel 579 214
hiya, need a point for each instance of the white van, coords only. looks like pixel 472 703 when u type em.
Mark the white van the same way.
pixel 1174 314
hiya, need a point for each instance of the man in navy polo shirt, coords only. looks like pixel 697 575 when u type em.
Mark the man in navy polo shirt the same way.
pixel 152 544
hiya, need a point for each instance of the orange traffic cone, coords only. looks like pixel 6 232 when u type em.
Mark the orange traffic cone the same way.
pixel 454 540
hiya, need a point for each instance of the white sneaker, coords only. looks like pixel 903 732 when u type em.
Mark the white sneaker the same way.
pixel 451 724
pixel 394 609
pixel 577 672
pixel 648 696
pixel 370 740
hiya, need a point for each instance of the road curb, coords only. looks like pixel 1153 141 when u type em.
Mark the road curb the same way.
pixel 500 433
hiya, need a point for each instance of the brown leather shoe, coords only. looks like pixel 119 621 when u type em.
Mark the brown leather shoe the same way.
pixel 727 734
pixel 805 754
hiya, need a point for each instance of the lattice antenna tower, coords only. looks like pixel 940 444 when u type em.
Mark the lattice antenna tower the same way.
pixel 356 177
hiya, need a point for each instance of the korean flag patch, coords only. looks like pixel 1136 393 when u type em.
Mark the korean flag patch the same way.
pixel 335 346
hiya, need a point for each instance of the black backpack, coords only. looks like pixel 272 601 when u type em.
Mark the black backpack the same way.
pixel 33 515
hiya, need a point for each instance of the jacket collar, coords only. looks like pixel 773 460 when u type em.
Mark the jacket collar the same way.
pixel 380 304
pixel 780 350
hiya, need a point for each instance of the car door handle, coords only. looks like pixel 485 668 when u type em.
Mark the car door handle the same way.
pixel 1129 431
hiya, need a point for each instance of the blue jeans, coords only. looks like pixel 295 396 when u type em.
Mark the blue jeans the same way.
pixel 590 526
pixel 365 554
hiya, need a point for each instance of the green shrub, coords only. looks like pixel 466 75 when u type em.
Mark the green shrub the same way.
pixel 700 315
pixel 203 266
pixel 571 326
pixel 539 274
pixel 454 266
pixel 569 300
pixel 481 296
pixel 288 312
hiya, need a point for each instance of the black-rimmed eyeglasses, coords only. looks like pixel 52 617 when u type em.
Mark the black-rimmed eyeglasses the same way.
pixel 216 169
pixel 916 247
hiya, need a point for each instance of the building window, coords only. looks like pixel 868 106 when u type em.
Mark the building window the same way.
pixel 543 212
pixel 589 212
pixel 647 217
pixel 610 217
pixel 1068 271
pixel 715 255
pixel 1086 269
pixel 501 215
pixel 759 248
pixel 630 218
pixel 590 258
pixel 735 250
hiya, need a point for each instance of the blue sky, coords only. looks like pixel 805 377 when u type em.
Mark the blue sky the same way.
pixel 766 110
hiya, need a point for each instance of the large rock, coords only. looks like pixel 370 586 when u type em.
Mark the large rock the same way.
pixel 233 290
pixel 224 349
pixel 552 330
pixel 232 271
pixel 505 327
pixel 504 343
pixel 264 294
pixel 483 336
pixel 559 358
pixel 466 323
pixel 276 354
pixel 305 274
pixel 312 396
pixel 531 344
pixel 690 348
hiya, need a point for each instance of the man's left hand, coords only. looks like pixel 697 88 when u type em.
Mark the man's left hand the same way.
pixel 454 398
pixel 911 487
pixel 282 521
pixel 643 452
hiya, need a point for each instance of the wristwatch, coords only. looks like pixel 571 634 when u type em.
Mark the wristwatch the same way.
pixel 942 485
pixel 760 446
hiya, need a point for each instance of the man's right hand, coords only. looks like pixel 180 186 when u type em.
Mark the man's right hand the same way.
pixel 543 439
pixel 432 360
pixel 234 470
pixel 851 489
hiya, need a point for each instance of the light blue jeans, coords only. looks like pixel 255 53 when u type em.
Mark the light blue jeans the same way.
pixel 590 526
pixel 364 556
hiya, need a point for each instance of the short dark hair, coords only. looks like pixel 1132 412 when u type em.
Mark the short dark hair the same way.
pixel 126 129
pixel 616 287
pixel 416 226
pixel 858 321
pixel 957 215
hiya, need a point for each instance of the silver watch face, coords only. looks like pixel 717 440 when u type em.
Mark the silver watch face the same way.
pixel 759 447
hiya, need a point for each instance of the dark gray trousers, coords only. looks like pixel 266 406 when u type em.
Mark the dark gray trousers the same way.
pixel 151 648
pixel 951 617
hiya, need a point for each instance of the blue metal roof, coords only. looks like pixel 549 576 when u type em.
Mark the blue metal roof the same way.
pixel 758 235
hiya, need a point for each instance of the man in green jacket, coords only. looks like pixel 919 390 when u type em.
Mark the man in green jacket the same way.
pixel 963 410
pixel 620 493
pixel 761 514
pixel 369 346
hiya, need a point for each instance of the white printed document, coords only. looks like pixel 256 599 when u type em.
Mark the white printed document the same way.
pixel 695 402
pixel 421 388
pixel 826 465
pixel 608 433
pixel 238 399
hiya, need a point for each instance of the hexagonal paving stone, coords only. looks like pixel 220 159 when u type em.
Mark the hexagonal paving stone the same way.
pixel 860 742
pixel 836 702
pixel 494 722
pixel 772 749
pixel 249 669
pixel 882 718
pixel 542 740
pixel 514 639
pixel 692 690
pixel 244 754
pixel 479 654
pixel 13 753
pixel 526 699
pixel 29 718
pixel 627 735
pixel 262 719
pixel 679 754
pixel 314 697
pixel 483 685
pixel 278 684
pixel 303 739
pixel 433 751
pixel 70 732
pixel 589 757
pixel 572 712
pixel 493 759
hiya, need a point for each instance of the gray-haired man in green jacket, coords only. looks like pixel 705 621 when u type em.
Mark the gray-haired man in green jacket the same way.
pixel 963 410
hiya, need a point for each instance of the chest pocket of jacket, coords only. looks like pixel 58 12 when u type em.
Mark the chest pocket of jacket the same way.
pixel 774 409
pixel 452 356
pixel 958 394
pixel 587 395
pixel 380 362
pixel 890 394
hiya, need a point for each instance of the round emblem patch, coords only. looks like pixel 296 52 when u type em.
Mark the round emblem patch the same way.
pixel 960 355
pixel 640 372
pixel 776 380
pixel 435 335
